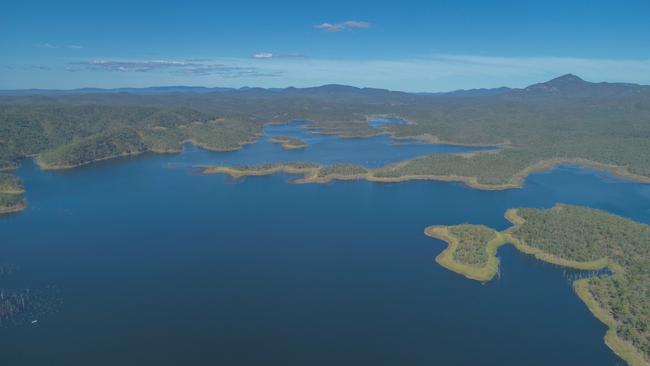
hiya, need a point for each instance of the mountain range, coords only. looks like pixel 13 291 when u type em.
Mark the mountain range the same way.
pixel 565 86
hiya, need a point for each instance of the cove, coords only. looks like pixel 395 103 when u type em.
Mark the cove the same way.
pixel 157 264
pixel 371 152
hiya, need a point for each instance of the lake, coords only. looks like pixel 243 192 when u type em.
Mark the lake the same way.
pixel 144 261
pixel 370 152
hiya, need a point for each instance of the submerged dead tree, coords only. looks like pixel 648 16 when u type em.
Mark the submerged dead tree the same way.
pixel 21 303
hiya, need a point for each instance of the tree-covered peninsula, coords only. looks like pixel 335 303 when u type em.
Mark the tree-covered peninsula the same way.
pixel 576 237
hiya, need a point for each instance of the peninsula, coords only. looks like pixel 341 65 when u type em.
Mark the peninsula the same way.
pixel 574 237
pixel 445 168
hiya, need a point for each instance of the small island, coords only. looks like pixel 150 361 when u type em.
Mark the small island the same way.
pixel 574 237
pixel 289 143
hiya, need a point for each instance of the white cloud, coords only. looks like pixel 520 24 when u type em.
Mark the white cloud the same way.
pixel 356 24
pixel 269 55
pixel 133 66
pixel 337 27
pixel 329 27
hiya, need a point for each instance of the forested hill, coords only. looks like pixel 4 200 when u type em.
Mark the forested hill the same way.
pixel 566 117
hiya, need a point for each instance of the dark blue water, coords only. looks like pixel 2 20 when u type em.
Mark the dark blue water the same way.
pixel 324 149
pixel 163 266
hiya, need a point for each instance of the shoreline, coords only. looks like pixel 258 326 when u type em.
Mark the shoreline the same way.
pixel 310 175
pixel 515 181
pixel 52 167
pixel 446 257
pixel 620 347
pixel 288 143
pixel 13 191
pixel 487 272
pixel 13 209
pixel 236 173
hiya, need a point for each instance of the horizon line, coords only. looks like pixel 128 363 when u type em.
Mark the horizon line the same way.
pixel 306 87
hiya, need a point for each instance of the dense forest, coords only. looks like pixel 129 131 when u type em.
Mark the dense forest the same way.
pixel 583 238
pixel 584 234
pixel 471 244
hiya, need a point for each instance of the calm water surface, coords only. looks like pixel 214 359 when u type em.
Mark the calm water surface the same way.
pixel 156 264
pixel 325 149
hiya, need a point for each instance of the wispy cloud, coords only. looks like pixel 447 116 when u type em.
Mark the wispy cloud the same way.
pixel 226 71
pixel 44 45
pixel 443 72
pixel 53 46
pixel 133 66
pixel 291 55
pixel 592 68
pixel 337 27
pixel 436 72
pixel 28 67
pixel 38 67
pixel 263 55
pixel 268 55
pixel 174 67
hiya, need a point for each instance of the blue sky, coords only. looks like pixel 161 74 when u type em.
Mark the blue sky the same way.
pixel 403 45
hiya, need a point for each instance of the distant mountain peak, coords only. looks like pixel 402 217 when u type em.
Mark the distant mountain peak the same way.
pixel 562 85
pixel 564 81
pixel 570 85
pixel 567 78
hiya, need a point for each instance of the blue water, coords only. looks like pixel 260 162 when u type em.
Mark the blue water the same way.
pixel 158 265
pixel 324 149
